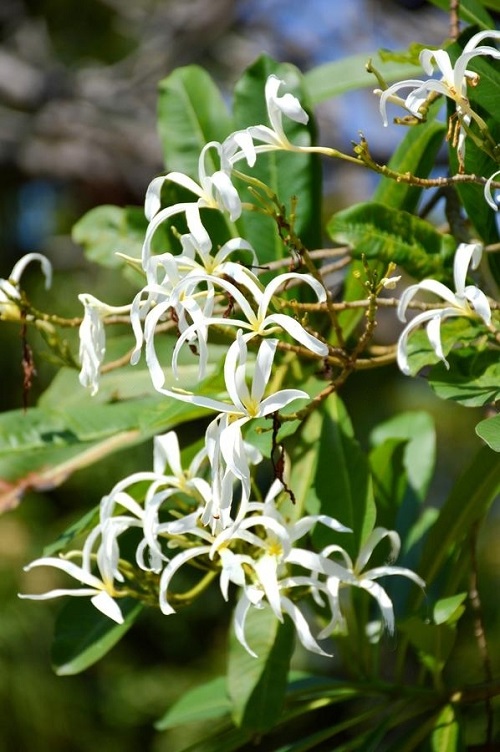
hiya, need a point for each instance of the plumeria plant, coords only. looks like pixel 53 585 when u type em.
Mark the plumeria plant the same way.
pixel 235 351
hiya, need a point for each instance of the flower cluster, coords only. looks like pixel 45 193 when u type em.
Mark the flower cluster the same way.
pixel 210 513
pixel 257 552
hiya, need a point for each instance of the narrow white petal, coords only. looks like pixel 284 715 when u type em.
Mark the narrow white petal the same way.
pixel 487 191
pixel 302 627
pixel 266 569
pixel 174 564
pixel 383 600
pixel 106 605
pixel 467 254
pixel 263 367
pixel 434 334
pixel 23 262
pixel 376 536
pixel 78 573
pixel 479 302
pixel 297 332
pixel 279 400
pixel 240 615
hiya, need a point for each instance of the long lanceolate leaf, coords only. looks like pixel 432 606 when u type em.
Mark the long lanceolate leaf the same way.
pixel 191 112
pixel 467 503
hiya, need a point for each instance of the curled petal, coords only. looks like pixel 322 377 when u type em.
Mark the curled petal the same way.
pixel 479 302
pixel 487 191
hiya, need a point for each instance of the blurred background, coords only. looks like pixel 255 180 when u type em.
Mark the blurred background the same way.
pixel 78 82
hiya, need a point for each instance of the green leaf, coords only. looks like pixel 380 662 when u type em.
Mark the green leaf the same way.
pixel 386 234
pixel 191 112
pixel 257 686
pixel 389 480
pixel 337 77
pixel 341 487
pixel 471 11
pixel 106 230
pixel 472 379
pixel 83 635
pixel 433 642
pixel 489 431
pixel 415 154
pixel 467 503
pixel 286 174
pixel 449 610
pixel 484 100
pixel 41 448
pixel 417 429
pixel 447 736
pixel 205 702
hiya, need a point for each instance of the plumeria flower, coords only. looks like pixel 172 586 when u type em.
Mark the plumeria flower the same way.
pixel 453 83
pixel 102 591
pixel 214 191
pixel 9 288
pixel 365 579
pixel 93 338
pixel 467 300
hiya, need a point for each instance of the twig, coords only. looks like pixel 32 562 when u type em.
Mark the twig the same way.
pixel 454 19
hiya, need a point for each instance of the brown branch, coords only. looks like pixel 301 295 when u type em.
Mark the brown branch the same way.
pixel 454 19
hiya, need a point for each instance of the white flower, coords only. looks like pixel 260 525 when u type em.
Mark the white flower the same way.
pixel 258 322
pixel 181 287
pixel 9 288
pixel 467 300
pixel 363 578
pixel 277 106
pixel 162 487
pixel 101 591
pixel 240 144
pixel 214 191
pixel 259 565
pixel 93 338
pixel 453 83
pixel 245 404
pixel 229 454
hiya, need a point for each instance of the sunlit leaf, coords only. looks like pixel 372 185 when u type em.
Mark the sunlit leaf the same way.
pixel 449 610
pixel 446 736
pixel 385 234
pixel 416 154
pixel 340 76
pixel 489 431
pixel 472 379
pixel 341 486
pixel 106 230
pixel 191 112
